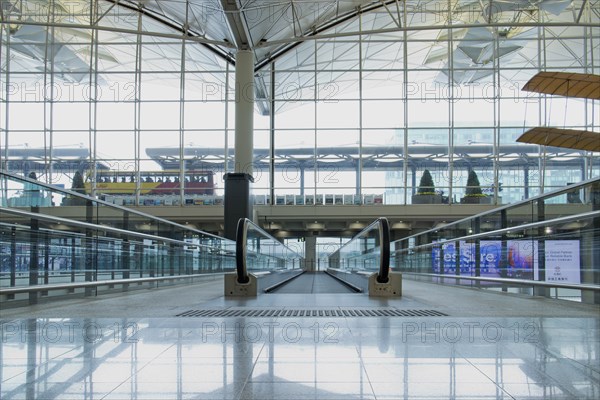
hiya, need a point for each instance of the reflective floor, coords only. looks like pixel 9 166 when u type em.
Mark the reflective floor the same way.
pixel 133 346
pixel 300 358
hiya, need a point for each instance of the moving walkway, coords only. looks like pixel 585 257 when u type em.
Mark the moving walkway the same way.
pixel 263 263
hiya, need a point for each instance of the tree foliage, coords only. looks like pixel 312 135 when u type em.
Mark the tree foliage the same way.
pixel 78 185
pixel 473 186
pixel 426 185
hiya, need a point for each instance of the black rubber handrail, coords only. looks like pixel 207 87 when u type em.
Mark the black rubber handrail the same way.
pixel 240 251
pixel 384 243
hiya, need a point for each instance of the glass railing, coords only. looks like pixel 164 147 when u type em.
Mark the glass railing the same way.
pixel 368 251
pixel 41 254
pixel 53 236
pixel 259 252
pixel 547 245
pixel 26 193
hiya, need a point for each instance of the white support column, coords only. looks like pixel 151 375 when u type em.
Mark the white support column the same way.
pixel 244 111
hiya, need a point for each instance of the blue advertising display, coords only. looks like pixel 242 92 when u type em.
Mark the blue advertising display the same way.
pixel 436 252
pixel 447 251
pixel 444 255
pixel 467 258
pixel 449 258
pixel 491 252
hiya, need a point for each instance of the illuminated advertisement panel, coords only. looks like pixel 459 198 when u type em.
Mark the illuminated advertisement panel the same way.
pixel 445 255
pixel 447 251
pixel 562 261
pixel 522 259
pixel 490 255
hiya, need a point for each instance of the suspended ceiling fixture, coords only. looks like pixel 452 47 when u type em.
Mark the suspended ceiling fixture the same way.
pixel 566 138
pixel 585 86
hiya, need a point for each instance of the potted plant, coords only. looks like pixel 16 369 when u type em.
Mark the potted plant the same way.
pixel 426 193
pixel 473 194
pixel 77 186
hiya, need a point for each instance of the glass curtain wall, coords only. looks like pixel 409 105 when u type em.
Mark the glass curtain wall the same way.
pixel 132 104
pixel 389 103
pixel 354 115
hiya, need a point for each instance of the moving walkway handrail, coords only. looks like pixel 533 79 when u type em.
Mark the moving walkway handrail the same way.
pixel 241 254
pixel 241 250
pixel 383 236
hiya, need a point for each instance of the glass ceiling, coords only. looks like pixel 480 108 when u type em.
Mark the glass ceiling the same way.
pixel 281 31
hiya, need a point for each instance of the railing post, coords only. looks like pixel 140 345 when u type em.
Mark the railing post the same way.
pixel 34 255
pixel 593 243
pixel 541 251
pixel 89 247
pixel 13 259
pixel 503 248
pixel 476 230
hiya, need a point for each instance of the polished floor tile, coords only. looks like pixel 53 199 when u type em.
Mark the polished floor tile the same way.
pixel 301 358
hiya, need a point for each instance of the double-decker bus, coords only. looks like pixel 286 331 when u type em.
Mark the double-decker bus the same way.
pixel 152 183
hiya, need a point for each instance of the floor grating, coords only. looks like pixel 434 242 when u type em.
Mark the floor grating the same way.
pixel 337 312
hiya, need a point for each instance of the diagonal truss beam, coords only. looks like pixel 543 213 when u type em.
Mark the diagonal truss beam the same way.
pixel 236 23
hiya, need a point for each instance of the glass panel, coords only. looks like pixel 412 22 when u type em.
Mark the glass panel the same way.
pixel 544 240
pixel 265 253
pixel 363 253
pixel 294 163
pixel 383 114
pixel 205 115
pixel 329 115
pixel 40 249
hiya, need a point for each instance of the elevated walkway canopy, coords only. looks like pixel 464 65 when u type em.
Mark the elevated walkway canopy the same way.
pixel 371 157
pixel 37 159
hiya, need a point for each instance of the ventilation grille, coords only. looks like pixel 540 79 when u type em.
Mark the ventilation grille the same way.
pixel 279 313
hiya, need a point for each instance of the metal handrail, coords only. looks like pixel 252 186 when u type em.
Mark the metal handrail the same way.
pixel 65 286
pixel 531 225
pixel 103 228
pixel 105 203
pixel 518 204
pixel 523 282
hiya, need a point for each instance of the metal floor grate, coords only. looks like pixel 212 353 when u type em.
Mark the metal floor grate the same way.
pixel 278 313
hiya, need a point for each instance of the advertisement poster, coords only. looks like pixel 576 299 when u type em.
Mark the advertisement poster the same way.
pixel 563 261
pixel 490 252
pixel 522 259
pixel 436 253
pixel 449 251
pixel 467 258
pixel 443 255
